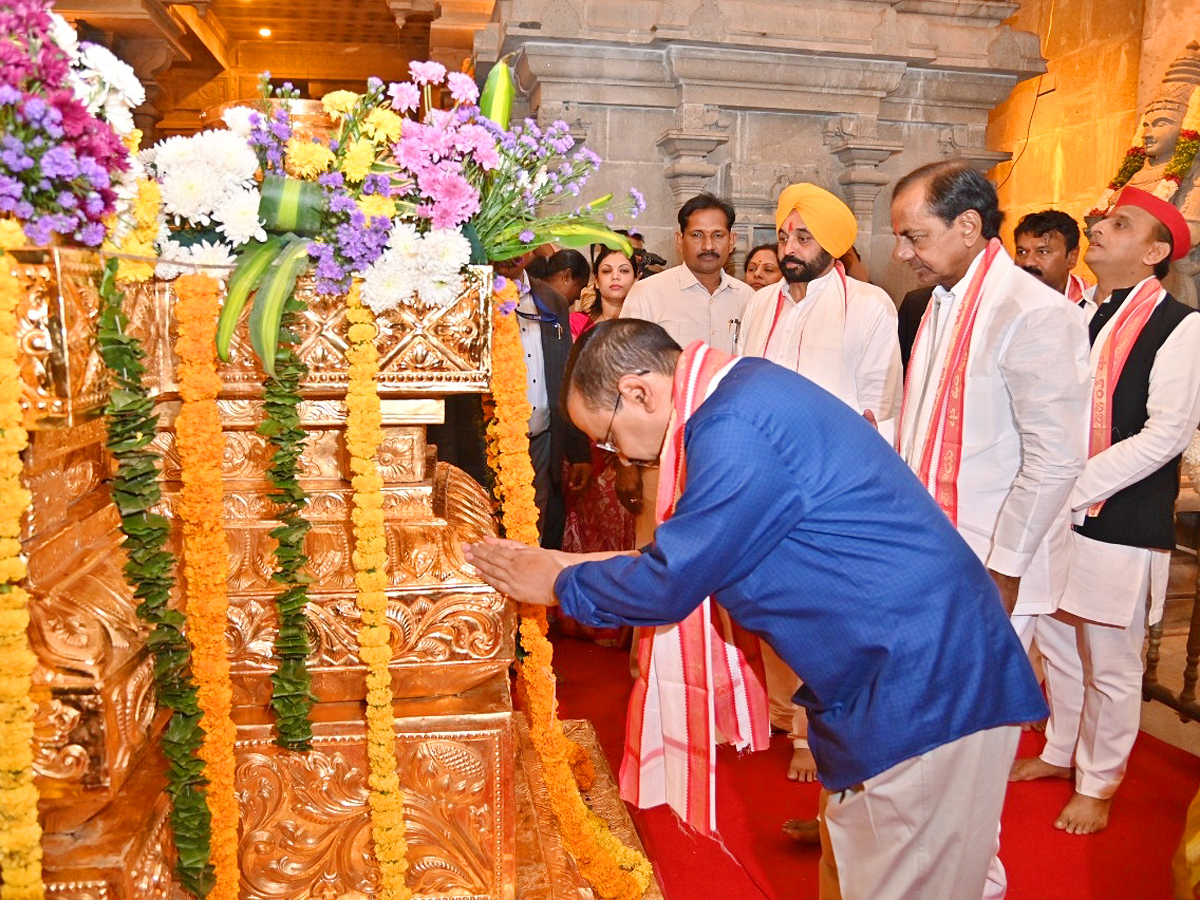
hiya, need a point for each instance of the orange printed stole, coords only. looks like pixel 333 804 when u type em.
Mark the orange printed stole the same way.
pixel 945 432
pixel 1122 335
pixel 700 679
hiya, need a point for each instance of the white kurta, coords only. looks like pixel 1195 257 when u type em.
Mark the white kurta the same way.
pixel 1173 404
pixel 1024 422
pixel 683 306
pixel 845 343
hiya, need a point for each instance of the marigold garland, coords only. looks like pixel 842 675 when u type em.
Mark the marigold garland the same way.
pixel 21 847
pixel 200 444
pixel 364 434
pixel 132 424
pixel 614 870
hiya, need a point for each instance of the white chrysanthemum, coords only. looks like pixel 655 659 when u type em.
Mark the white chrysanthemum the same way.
pixel 212 258
pixel 190 192
pixel 114 74
pixel 63 34
pixel 389 281
pixel 237 217
pixel 170 153
pixel 170 252
pixel 405 239
pixel 444 252
pixel 227 153
pixel 237 120
pixel 437 292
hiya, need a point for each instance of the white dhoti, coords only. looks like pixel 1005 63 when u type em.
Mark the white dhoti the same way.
pixel 1092 651
pixel 926 827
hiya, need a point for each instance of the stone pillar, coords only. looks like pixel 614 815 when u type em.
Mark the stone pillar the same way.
pixel 742 98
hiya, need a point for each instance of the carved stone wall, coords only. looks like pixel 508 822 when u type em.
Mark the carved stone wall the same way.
pixel 744 96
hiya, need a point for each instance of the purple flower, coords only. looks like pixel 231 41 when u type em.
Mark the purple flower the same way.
pixel 59 162
pixel 639 200
pixel 427 72
pixel 405 96
pixel 498 283
pixel 92 234
pixel 508 306
pixel 462 87
pixel 9 95
pixel 526 236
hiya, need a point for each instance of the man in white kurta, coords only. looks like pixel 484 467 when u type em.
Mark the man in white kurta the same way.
pixel 696 300
pixel 1145 365
pixel 996 393
pixel 839 333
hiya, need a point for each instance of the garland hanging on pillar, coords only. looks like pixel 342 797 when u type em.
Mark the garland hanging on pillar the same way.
pixel 615 872
pixel 200 444
pixel 132 424
pixel 20 833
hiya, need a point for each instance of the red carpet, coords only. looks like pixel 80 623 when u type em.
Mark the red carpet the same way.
pixel 1130 860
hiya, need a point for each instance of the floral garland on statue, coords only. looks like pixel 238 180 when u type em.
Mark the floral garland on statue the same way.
pixel 199 442
pixel 132 425
pixel 613 869
pixel 1186 148
pixel 364 434
pixel 20 833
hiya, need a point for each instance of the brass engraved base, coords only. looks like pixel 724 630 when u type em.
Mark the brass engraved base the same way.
pixel 544 870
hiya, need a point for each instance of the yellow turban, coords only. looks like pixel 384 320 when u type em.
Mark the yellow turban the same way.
pixel 827 217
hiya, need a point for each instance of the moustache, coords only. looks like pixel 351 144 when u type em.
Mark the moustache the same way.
pixel 1033 270
pixel 790 260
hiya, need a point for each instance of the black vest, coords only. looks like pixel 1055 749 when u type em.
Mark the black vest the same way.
pixel 1142 514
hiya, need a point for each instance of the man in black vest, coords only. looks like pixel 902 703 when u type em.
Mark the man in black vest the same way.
pixel 1145 364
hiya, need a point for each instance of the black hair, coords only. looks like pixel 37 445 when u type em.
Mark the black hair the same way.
pixel 1039 224
pixel 597 305
pixel 749 256
pixel 705 201
pixel 571 261
pixel 951 188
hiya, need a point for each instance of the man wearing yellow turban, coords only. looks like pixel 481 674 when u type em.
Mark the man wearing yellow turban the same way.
pixel 835 331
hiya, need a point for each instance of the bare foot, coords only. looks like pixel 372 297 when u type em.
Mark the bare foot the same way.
pixel 1083 815
pixel 803 831
pixel 1032 768
pixel 802 767
pixel 1039 726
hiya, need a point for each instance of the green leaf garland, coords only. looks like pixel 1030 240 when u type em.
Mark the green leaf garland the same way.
pixel 132 425
pixel 291 695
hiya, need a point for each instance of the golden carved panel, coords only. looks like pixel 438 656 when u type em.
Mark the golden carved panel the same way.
pixel 324 457
pixel 422 350
pixel 63 378
pixel 305 822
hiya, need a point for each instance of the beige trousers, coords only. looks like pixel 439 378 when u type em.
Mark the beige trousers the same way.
pixel 926 828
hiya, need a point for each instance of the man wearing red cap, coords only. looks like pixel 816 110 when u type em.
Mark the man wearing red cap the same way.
pixel 1145 363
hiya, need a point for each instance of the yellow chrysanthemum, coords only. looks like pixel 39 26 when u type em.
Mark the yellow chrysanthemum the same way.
pixel 145 207
pixel 11 234
pixel 374 205
pixel 382 126
pixel 307 159
pixel 358 161
pixel 339 103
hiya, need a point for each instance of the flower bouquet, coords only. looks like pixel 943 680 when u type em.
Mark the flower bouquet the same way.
pixel 65 109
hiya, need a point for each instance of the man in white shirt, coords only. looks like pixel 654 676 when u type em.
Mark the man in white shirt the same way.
pixel 996 394
pixel 1046 245
pixel 693 301
pixel 1145 364
pixel 839 333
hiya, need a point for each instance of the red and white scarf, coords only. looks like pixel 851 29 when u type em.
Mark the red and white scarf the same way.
pixel 941 451
pixel 1075 288
pixel 701 680
pixel 1114 353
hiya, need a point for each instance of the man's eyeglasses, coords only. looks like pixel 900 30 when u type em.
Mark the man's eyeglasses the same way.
pixel 607 444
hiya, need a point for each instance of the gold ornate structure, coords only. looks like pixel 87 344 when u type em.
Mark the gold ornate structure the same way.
pixel 304 816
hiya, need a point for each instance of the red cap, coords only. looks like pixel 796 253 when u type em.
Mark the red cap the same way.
pixel 1181 238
